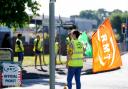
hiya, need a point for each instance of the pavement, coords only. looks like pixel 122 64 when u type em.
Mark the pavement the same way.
pixel 116 79
pixel 30 72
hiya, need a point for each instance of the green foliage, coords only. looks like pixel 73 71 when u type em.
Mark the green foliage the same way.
pixel 89 14
pixel 116 21
pixel 13 14
pixel 29 60
pixel 117 17
pixel 98 15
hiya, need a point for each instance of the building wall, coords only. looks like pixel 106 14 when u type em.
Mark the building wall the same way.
pixel 84 24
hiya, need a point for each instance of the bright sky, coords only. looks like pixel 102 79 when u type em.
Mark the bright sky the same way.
pixel 67 8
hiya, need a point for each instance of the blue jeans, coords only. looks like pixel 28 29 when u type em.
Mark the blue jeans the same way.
pixel 74 72
pixel 20 57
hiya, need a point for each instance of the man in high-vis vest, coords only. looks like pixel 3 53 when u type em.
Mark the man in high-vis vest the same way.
pixel 75 61
pixel 19 49
pixel 56 51
pixel 38 49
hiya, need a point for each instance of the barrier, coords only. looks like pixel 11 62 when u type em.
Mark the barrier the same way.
pixel 6 54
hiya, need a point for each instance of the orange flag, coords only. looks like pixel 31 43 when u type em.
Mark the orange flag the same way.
pixel 106 54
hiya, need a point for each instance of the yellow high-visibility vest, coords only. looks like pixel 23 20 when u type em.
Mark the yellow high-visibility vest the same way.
pixel 19 48
pixel 67 40
pixel 39 46
pixel 56 47
pixel 77 56
pixel 69 49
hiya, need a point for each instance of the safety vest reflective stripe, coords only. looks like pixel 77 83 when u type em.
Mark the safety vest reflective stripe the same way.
pixel 56 47
pixel 17 48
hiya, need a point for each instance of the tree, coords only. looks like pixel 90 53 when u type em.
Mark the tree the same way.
pixel 116 22
pixel 117 18
pixel 102 14
pixel 117 11
pixel 89 14
pixel 13 14
pixel 98 15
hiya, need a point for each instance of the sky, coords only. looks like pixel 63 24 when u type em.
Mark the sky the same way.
pixel 66 8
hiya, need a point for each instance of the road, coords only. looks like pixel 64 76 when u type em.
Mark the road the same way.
pixel 116 79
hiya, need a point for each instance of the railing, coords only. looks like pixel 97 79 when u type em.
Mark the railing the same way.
pixel 6 54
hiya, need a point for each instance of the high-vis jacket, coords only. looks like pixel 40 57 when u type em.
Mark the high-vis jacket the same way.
pixel 37 45
pixel 19 46
pixel 76 59
pixel 69 49
pixel 56 47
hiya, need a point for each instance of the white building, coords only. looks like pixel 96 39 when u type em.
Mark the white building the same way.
pixel 84 24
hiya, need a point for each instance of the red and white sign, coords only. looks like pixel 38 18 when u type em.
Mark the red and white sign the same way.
pixel 11 75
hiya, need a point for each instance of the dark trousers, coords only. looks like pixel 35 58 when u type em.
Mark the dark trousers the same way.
pixel 20 57
pixel 74 72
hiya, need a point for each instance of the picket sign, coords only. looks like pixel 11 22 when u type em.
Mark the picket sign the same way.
pixel 11 74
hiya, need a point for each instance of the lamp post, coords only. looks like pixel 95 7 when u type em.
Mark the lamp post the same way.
pixel 43 37
pixel 52 43
pixel 126 34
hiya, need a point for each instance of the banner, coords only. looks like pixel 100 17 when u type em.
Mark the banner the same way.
pixel 106 55
pixel 85 40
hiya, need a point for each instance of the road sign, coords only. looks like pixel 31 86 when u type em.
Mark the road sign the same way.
pixel 11 74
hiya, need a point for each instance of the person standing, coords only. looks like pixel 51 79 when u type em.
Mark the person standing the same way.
pixel 68 42
pixel 38 49
pixel 75 61
pixel 19 49
pixel 56 51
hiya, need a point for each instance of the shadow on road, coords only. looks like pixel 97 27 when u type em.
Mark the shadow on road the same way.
pixel 90 71
pixel 33 75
